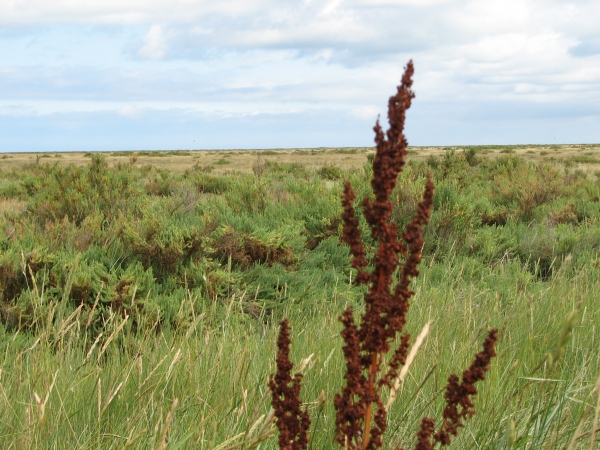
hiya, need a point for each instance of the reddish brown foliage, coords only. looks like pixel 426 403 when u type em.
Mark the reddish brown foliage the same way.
pixel 424 434
pixel 328 230
pixel 459 404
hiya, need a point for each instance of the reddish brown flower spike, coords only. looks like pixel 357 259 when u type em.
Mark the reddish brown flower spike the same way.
pixel 291 421
pixel 361 416
pixel 459 398
pixel 351 235
pixel 425 433
pixel 459 403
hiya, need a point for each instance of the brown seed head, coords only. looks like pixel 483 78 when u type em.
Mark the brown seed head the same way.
pixel 386 301
pixel 291 421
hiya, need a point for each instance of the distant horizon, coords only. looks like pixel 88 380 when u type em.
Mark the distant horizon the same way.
pixel 298 148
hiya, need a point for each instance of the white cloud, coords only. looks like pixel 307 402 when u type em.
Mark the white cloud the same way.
pixel 366 112
pixel 130 111
pixel 154 43
pixel 22 12
pixel 528 88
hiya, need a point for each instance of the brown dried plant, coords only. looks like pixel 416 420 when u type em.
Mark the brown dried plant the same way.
pixel 386 305
pixel 458 398
pixel 291 421
pixel 361 417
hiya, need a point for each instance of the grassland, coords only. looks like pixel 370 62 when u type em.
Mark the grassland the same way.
pixel 140 293
pixel 225 161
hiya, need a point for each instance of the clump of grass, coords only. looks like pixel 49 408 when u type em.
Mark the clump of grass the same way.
pixel 153 153
pixel 297 169
pixel 306 152
pixel 201 168
pixel 180 153
pixel 246 250
pixel 346 151
pixel 585 159
pixel 471 156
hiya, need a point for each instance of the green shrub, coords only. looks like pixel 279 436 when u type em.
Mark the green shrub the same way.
pixel 77 192
pixel 585 159
pixel 211 184
pixel 296 169
pixel 330 172
pixel 471 156
pixel 162 185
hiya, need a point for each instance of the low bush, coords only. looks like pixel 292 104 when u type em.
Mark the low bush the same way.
pixel 330 172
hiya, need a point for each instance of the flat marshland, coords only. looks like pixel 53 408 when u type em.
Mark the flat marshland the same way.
pixel 226 161
pixel 140 293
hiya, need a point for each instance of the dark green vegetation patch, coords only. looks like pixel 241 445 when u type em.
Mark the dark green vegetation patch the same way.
pixel 140 238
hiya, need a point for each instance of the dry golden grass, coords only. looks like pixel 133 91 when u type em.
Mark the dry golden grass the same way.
pixel 582 156
pixel 11 205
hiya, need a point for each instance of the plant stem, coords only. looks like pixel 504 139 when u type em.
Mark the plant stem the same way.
pixel 372 371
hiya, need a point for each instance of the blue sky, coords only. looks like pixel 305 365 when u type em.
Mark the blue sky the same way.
pixel 179 74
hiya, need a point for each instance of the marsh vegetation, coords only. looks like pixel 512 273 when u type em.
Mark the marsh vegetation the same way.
pixel 140 304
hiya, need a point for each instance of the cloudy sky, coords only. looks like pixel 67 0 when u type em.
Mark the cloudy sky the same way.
pixel 178 74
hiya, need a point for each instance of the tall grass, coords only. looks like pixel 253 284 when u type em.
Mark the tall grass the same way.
pixel 59 389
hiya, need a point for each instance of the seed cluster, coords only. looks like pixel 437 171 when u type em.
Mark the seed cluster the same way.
pixel 291 421
pixel 361 417
pixel 386 301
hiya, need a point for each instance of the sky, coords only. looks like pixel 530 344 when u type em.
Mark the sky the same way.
pixel 205 74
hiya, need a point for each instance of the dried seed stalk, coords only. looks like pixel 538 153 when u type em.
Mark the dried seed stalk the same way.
pixel 291 421
pixel 459 404
pixel 361 414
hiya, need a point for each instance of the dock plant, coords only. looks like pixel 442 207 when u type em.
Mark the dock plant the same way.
pixel 361 414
